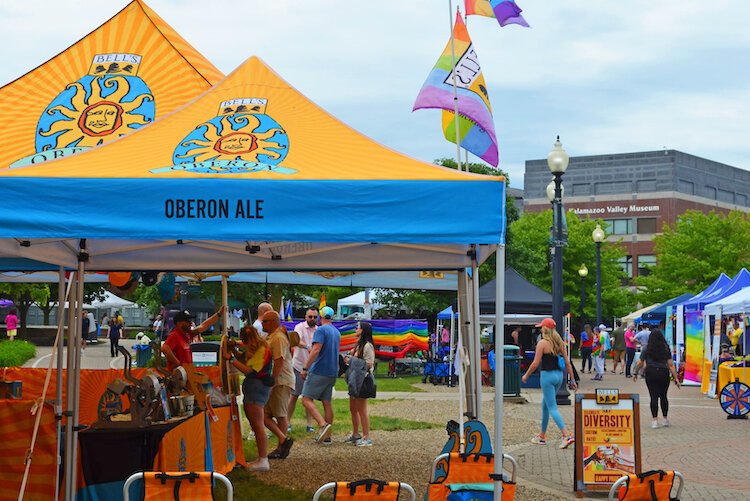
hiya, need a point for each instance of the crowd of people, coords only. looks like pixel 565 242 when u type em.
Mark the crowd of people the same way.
pixel 280 366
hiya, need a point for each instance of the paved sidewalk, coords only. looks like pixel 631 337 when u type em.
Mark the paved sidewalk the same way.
pixel 95 356
pixel 710 451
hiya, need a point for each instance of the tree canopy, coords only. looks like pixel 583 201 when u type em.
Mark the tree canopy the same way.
pixel 695 250
pixel 529 255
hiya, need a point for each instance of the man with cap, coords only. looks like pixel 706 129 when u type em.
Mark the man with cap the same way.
pixel 320 372
pixel 177 346
pixel 275 411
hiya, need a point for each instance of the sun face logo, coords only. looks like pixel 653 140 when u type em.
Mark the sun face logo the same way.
pixel 240 139
pixel 109 102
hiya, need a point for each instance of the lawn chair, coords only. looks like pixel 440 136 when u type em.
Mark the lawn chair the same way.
pixel 177 486
pixel 366 489
pixel 654 485
pixel 468 476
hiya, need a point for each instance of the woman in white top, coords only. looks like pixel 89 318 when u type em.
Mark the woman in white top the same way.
pixel 364 350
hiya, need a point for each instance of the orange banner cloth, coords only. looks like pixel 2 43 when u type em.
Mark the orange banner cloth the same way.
pixel 16 429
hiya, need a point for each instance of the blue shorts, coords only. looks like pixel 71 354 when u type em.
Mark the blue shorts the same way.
pixel 318 387
pixel 255 392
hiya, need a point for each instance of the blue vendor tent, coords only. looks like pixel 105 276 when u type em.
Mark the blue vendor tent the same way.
pixel 658 315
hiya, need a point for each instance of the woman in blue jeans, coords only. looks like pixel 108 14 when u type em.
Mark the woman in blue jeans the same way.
pixel 550 351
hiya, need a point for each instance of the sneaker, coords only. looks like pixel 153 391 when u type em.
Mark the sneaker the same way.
pixel 327 441
pixel 364 442
pixel 538 440
pixel 310 429
pixel 260 464
pixel 325 433
pixel 654 424
pixel 353 439
pixel 566 441
pixel 275 454
pixel 286 447
pixel 665 423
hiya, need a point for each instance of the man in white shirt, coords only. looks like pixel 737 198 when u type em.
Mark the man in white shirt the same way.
pixel 92 327
pixel 263 308
pixel 305 329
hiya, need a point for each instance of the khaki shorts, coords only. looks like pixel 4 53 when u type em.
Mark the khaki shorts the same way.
pixel 278 401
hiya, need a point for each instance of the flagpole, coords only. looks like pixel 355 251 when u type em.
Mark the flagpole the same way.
pixel 455 90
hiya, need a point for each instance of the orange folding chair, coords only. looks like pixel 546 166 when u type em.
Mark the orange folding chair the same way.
pixel 486 372
pixel 366 489
pixel 467 469
pixel 654 485
pixel 177 486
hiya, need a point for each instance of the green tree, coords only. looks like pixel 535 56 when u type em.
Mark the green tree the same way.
pixel 417 303
pixel 91 292
pixel 695 250
pixel 24 295
pixel 530 256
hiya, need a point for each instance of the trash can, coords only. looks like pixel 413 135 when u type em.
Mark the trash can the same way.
pixel 511 371
pixel 143 354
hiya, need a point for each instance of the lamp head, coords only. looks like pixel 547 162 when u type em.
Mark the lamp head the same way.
pixel 583 271
pixel 598 234
pixel 557 160
pixel 551 191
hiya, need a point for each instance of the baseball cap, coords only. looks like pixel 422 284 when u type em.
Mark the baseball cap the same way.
pixel 182 316
pixel 326 312
pixel 547 322
pixel 602 327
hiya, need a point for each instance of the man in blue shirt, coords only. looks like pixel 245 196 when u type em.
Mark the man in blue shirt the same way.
pixel 320 373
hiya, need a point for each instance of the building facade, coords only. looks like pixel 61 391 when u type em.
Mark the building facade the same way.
pixel 636 194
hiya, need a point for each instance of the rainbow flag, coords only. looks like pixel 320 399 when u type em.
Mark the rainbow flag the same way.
pixel 477 129
pixel 322 301
pixel 505 11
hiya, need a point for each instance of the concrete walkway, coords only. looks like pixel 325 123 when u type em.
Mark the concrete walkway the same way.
pixel 94 356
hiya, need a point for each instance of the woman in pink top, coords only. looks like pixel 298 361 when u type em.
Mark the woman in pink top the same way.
pixel 11 324
pixel 629 348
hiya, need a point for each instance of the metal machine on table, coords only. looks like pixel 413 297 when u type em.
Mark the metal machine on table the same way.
pixel 153 398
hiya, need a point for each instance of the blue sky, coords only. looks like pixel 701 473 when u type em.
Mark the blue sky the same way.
pixel 607 76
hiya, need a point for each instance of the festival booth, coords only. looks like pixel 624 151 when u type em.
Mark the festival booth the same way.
pixel 662 312
pixel 219 186
pixel 693 330
pixel 717 374
pixel 635 315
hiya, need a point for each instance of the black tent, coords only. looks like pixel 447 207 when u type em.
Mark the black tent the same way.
pixel 521 296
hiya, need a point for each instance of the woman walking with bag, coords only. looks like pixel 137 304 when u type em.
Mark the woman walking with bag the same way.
pixel 554 362
pixel 255 362
pixel 587 343
pixel 359 376
pixel 657 357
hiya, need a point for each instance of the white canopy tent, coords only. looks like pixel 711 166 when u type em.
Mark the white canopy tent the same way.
pixel 734 304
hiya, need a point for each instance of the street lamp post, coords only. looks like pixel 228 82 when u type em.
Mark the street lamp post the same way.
pixel 598 236
pixel 557 161
pixel 583 272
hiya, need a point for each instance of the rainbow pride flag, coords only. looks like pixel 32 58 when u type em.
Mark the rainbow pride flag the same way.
pixel 477 129
pixel 505 11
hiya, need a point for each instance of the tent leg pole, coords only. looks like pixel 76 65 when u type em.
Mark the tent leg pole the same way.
pixel 58 375
pixel 466 316
pixel 475 334
pixel 499 370
pixel 69 443
pixel 224 301
pixel 78 339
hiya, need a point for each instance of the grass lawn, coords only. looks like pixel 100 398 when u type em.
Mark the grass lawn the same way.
pixel 16 353
pixel 385 383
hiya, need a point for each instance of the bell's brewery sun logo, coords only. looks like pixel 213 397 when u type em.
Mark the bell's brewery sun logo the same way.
pixel 108 102
pixel 241 138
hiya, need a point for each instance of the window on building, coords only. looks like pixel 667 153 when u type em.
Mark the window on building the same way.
pixel 726 196
pixel 646 185
pixel 619 226
pixel 645 263
pixel 605 188
pixel 685 187
pixel 740 199
pixel 710 192
pixel 646 225
pixel 626 263
pixel 581 189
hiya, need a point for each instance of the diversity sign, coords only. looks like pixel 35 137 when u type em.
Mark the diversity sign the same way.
pixel 607 438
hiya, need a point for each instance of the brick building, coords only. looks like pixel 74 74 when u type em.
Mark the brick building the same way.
pixel 637 193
